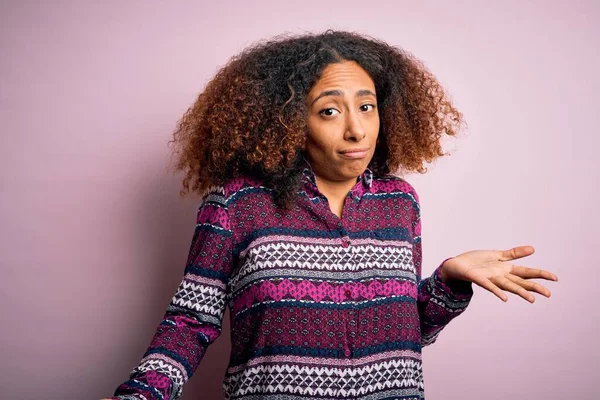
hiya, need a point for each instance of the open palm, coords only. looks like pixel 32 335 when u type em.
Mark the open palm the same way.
pixel 493 270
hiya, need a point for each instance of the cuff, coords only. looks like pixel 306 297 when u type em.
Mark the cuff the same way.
pixel 458 289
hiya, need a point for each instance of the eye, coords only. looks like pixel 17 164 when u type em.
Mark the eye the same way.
pixel 328 112
pixel 365 107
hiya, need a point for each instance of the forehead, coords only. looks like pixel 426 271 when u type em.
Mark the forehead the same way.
pixel 346 74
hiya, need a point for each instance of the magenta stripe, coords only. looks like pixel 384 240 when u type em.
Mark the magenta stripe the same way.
pixel 307 290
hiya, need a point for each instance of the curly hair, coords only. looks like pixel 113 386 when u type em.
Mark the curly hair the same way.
pixel 251 117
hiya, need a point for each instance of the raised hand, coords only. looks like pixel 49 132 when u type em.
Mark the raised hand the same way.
pixel 493 270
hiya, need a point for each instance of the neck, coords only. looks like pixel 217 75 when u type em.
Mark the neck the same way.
pixel 335 189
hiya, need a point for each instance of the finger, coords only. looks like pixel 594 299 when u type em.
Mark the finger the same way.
pixel 529 273
pixel 515 252
pixel 488 285
pixel 506 284
pixel 528 285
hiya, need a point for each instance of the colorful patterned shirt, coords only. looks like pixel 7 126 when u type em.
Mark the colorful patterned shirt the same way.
pixel 321 307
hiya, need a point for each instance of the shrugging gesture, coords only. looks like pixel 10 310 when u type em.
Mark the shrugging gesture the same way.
pixel 495 271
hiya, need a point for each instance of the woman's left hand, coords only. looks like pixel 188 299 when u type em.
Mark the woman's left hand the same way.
pixel 493 270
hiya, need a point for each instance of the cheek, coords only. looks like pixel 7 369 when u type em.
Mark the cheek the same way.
pixel 317 147
pixel 320 139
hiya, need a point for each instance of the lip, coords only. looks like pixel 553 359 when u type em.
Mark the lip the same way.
pixel 360 152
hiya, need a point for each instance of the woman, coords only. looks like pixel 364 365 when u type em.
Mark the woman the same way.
pixel 304 233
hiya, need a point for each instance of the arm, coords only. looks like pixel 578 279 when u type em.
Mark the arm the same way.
pixel 438 301
pixel 193 319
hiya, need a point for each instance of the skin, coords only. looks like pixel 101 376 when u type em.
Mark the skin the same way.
pixel 342 116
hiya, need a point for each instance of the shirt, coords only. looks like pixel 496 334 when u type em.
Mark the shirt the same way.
pixel 321 307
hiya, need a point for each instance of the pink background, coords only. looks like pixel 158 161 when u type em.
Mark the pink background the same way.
pixel 94 235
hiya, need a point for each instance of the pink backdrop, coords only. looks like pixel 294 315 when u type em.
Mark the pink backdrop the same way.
pixel 94 236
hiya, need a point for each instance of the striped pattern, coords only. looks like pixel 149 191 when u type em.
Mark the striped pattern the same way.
pixel 321 307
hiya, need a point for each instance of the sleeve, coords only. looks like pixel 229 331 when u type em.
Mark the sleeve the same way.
pixel 194 316
pixel 438 302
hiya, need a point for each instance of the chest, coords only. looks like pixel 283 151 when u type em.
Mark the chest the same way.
pixel 312 253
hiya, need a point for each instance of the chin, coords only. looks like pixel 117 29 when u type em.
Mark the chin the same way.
pixel 359 166
pixel 354 171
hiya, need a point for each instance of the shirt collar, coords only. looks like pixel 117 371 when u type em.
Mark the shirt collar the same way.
pixel 310 182
pixel 367 178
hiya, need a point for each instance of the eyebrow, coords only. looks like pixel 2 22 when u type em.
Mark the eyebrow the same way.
pixel 360 93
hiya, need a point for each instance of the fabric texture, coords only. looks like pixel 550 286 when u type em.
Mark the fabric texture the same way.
pixel 321 307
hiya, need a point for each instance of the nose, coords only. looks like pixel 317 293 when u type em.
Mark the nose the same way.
pixel 354 130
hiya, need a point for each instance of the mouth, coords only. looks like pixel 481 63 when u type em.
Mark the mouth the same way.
pixel 360 152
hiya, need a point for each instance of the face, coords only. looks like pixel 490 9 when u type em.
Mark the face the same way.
pixel 343 122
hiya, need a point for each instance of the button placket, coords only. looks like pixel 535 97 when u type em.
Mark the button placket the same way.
pixel 351 319
pixel 347 320
pixel 345 241
pixel 346 289
pixel 348 293
pixel 351 291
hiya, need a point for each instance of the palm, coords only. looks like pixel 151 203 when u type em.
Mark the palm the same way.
pixel 494 271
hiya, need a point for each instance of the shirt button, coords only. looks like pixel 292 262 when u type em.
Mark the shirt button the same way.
pixel 347 352
pixel 348 293
pixel 345 241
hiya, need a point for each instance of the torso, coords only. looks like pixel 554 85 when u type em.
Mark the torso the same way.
pixel 324 305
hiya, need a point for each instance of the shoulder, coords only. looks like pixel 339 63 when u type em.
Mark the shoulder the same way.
pixel 395 186
pixel 216 202
pixel 234 191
